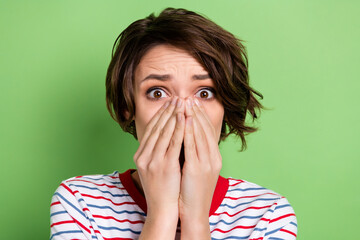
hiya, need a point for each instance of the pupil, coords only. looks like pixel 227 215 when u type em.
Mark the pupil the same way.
pixel 204 94
pixel 157 94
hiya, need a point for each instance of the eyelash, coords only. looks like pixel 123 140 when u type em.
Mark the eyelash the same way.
pixel 212 91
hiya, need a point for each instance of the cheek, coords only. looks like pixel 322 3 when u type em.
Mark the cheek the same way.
pixel 216 116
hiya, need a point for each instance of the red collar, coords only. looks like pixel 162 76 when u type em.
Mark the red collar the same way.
pixel 219 193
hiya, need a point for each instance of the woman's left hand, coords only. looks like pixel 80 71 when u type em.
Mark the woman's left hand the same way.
pixel 200 172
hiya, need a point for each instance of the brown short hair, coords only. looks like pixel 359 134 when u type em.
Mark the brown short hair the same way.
pixel 217 50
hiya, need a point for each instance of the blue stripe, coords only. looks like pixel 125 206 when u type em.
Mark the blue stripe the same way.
pixel 118 212
pixel 97 179
pixel 293 224
pixel 282 206
pixel 91 188
pixel 259 199
pixel 245 189
pixel 260 229
pixel 65 232
pixel 229 223
pixel 273 231
pixel 56 213
pixel 119 229
pixel 72 205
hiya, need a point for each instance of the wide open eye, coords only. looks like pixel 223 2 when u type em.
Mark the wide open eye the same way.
pixel 155 93
pixel 205 93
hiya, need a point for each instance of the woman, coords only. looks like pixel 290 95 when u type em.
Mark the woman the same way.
pixel 179 84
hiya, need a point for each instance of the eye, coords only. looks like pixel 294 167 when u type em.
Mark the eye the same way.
pixel 155 93
pixel 205 93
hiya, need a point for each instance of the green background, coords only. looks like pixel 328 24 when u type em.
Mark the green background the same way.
pixel 304 59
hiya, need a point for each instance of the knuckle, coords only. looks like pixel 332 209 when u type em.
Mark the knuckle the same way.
pixel 153 167
pixel 217 166
pixel 135 157
pixel 169 109
pixel 155 129
pixel 148 128
pixel 207 168
pixel 162 132
pixel 175 142
pixel 141 164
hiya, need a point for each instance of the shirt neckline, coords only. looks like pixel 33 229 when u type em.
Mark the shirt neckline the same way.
pixel 221 188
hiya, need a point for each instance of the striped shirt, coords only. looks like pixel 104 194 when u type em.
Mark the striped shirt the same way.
pixel 109 207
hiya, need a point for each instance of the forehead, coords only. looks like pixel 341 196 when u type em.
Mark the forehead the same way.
pixel 167 58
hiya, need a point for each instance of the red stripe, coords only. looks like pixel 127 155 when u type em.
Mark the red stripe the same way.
pixel 260 238
pixel 62 222
pixel 287 231
pixel 71 221
pixel 264 219
pixel 237 198
pixel 237 182
pixel 241 211
pixel 116 238
pixel 54 203
pixel 82 226
pixel 242 227
pixel 113 177
pixel 101 197
pixel 232 185
pixel 281 217
pixel 125 220
pixel 67 188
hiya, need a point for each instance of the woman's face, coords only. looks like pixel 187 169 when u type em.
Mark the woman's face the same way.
pixel 166 71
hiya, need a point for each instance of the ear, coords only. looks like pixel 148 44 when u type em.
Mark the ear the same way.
pixel 127 115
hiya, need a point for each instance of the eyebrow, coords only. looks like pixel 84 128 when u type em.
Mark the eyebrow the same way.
pixel 166 77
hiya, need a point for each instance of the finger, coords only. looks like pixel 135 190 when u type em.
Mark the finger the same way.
pixel 188 109
pixel 166 134
pixel 210 135
pixel 173 152
pixel 155 125
pixel 150 125
pixel 201 142
pixel 201 114
pixel 189 143
pixel 158 129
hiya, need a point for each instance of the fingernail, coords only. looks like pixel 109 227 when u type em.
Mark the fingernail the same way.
pixel 188 102
pixel 197 102
pixel 173 102
pixel 166 104
pixel 179 103
pixel 178 117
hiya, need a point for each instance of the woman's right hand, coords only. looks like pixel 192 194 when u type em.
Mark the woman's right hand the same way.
pixel 157 161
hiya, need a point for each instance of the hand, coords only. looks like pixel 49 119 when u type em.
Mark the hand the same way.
pixel 201 170
pixel 157 161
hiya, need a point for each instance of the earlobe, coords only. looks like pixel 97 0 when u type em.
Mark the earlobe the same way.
pixel 127 115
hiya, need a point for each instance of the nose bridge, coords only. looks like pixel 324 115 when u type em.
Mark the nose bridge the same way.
pixel 182 89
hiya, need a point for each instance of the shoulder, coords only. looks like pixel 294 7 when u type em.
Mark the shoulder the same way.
pixel 244 190
pixel 90 188
pixel 270 213
pixel 87 183
pixel 248 192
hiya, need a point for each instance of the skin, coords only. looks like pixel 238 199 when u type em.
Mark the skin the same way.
pixel 176 106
